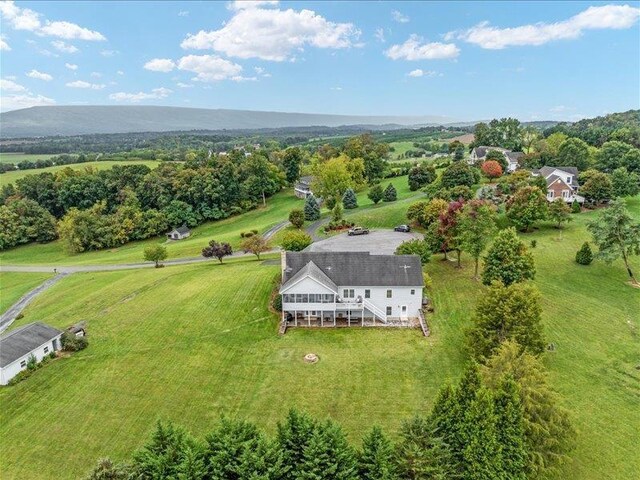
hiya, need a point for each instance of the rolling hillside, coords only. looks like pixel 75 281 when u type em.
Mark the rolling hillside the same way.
pixel 78 120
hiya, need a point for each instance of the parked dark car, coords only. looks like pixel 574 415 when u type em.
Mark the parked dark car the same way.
pixel 358 231
pixel 402 228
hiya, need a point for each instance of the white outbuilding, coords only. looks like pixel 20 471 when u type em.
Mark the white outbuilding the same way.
pixel 16 347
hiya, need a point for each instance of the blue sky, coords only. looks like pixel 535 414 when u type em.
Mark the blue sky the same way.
pixel 463 60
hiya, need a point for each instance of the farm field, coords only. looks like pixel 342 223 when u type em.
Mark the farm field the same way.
pixel 19 157
pixel 15 284
pixel 228 230
pixel 192 342
pixel 10 177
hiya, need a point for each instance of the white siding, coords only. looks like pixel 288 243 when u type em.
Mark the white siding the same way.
pixel 11 370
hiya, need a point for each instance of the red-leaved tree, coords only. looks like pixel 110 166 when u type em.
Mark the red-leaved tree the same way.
pixel 491 169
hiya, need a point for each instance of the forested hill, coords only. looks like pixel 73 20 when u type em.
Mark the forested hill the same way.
pixel 622 126
pixel 78 120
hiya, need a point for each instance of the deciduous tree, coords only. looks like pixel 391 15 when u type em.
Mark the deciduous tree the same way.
pixel 508 260
pixel 616 235
pixel 526 207
pixel 218 250
pixel 296 241
pixel 476 227
pixel 296 217
pixel 491 169
pixel 559 212
pixel 421 175
pixel 255 244
pixel 597 188
pixel 375 193
pixel 415 247
pixel 155 253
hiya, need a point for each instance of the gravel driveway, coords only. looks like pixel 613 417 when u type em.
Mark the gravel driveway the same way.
pixel 378 242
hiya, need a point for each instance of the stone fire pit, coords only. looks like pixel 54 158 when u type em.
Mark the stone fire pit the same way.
pixel 311 358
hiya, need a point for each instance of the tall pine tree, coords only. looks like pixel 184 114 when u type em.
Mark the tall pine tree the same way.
pixel 510 423
pixel 292 439
pixel 377 459
pixel 311 209
pixel 328 455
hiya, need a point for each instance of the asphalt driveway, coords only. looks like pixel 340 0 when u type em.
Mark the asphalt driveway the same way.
pixel 378 242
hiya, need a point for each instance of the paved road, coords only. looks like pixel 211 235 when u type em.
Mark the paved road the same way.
pixel 7 318
pixel 378 242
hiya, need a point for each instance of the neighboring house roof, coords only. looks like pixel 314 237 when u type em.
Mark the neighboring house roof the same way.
pixel 513 157
pixel 547 172
pixel 181 230
pixel 21 341
pixel 482 151
pixel 356 268
pixel 305 181
pixel 314 272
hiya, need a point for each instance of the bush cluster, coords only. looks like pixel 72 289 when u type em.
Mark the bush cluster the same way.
pixel 32 366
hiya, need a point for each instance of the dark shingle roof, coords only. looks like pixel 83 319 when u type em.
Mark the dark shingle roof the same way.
pixel 546 171
pixel 315 272
pixel 21 341
pixel 182 230
pixel 358 268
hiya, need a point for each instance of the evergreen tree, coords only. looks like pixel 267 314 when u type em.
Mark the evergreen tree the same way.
pixel 508 260
pixel 390 194
pixel 292 439
pixel 237 450
pixel 420 454
pixel 510 426
pixel 107 470
pixel 549 436
pixel 421 175
pixel 291 160
pixel 349 199
pixel 377 459
pixel 375 193
pixel 575 207
pixel 481 458
pixel 311 209
pixel 507 313
pixel 584 256
pixel 328 455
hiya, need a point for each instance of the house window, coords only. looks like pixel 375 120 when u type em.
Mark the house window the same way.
pixel 565 193
pixel 298 298
pixel 367 293
pixel 23 363
pixel 550 194
pixel 388 310
pixel 389 293
pixel 349 293
pixel 46 349
pixel 413 292
pixel 305 298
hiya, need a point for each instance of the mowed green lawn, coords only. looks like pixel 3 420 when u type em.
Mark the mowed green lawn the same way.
pixel 227 230
pixel 191 343
pixel 14 285
pixel 11 177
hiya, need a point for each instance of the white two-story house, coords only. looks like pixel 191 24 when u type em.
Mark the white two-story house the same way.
pixel 562 182
pixel 350 288
pixel 479 155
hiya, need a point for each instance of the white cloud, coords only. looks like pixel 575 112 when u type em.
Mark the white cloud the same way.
pixel 64 47
pixel 4 45
pixel 160 65
pixel 87 85
pixel 155 94
pixel 210 68
pixel 380 35
pixel 415 49
pixel 109 53
pixel 418 72
pixel 272 34
pixel 399 17
pixel 337 89
pixel 14 102
pixel 262 72
pixel 96 74
pixel 27 19
pixel 10 86
pixel 71 66
pixel 120 72
pixel 183 13
pixel 19 18
pixel 39 75
pixel 593 18
pixel 184 85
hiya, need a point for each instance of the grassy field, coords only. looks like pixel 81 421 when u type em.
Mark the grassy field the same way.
pixel 10 177
pixel 192 342
pixel 15 284
pixel 189 344
pixel 16 158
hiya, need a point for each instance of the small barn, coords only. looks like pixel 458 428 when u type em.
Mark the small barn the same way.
pixel 78 329
pixel 16 347
pixel 179 233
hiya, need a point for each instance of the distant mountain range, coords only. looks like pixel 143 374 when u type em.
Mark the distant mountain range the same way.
pixel 82 120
